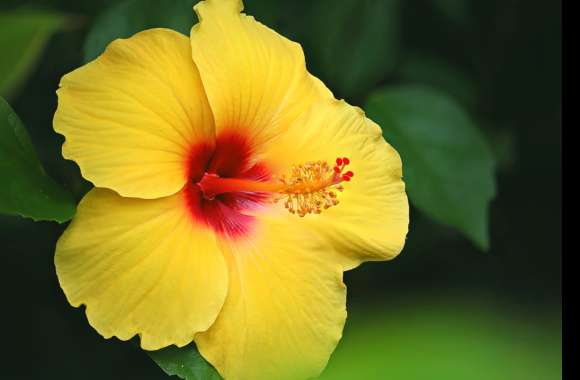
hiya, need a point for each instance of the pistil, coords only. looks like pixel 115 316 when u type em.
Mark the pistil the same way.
pixel 307 189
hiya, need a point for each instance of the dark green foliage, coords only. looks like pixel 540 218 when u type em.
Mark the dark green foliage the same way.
pixel 447 165
pixel 184 362
pixel 23 35
pixel 26 189
pixel 129 17
pixel 354 44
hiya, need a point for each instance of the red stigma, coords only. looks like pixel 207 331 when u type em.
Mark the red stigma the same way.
pixel 341 163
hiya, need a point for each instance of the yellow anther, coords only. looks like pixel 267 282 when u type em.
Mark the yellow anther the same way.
pixel 312 186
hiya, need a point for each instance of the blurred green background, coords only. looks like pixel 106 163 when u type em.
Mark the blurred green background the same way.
pixel 469 92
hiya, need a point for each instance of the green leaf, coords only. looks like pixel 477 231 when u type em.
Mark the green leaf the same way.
pixel 433 71
pixel 26 189
pixel 186 362
pixel 131 16
pixel 23 36
pixel 353 44
pixel 447 166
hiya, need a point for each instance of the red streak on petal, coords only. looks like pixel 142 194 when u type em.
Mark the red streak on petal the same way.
pixel 223 214
pixel 232 155
pixel 197 160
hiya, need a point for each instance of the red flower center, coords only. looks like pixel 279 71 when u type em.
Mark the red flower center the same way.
pixel 231 157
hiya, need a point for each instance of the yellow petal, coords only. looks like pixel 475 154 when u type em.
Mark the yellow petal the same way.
pixel 131 116
pixel 371 220
pixel 255 79
pixel 141 267
pixel 285 308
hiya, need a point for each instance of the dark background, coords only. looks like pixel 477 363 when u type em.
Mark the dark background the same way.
pixel 507 300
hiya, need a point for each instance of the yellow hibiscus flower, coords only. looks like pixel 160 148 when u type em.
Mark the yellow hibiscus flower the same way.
pixel 198 149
